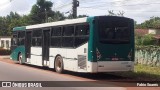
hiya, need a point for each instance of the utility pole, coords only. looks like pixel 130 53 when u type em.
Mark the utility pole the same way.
pixel 74 8
pixel 46 16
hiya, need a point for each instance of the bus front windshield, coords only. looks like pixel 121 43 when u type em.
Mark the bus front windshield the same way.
pixel 114 31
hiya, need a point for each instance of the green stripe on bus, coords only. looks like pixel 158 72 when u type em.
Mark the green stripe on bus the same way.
pixel 19 28
pixel 91 45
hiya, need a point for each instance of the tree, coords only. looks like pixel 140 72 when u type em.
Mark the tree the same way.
pixel 154 22
pixel 41 11
pixel 58 16
pixel 81 16
pixel 12 20
pixel 70 16
pixel 111 13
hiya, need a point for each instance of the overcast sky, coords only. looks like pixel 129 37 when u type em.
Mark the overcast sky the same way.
pixel 139 10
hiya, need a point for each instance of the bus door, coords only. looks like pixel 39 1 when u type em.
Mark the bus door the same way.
pixel 45 47
pixel 28 44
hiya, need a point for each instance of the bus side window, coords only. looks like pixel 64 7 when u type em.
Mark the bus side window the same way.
pixel 37 37
pixel 81 34
pixel 68 36
pixel 82 30
pixel 14 40
pixel 56 36
pixel 21 37
pixel 56 31
pixel 68 31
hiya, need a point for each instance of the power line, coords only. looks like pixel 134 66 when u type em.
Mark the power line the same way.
pixel 63 5
pixel 128 10
pixel 104 5
pixel 86 1
pixel 82 1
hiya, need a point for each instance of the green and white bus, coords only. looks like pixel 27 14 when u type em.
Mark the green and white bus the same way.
pixel 90 44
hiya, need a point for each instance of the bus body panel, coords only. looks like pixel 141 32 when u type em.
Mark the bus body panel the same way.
pixel 114 55
pixel 16 51
pixel 91 43
pixel 36 56
pixel 109 66
pixel 70 57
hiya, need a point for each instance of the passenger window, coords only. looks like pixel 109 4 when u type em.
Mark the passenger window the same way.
pixel 14 40
pixel 21 34
pixel 68 31
pixel 68 36
pixel 56 31
pixel 81 34
pixel 37 38
pixel 56 41
pixel 82 30
pixel 37 33
pixel 21 37
pixel 67 41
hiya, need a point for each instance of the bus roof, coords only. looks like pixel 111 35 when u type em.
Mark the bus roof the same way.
pixel 58 23
pixel 43 25
pixel 71 21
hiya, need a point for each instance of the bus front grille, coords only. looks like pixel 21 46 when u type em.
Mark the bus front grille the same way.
pixel 82 61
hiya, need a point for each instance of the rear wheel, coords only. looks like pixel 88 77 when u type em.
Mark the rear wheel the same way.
pixel 20 58
pixel 59 64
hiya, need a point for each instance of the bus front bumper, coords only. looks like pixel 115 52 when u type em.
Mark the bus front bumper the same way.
pixel 110 66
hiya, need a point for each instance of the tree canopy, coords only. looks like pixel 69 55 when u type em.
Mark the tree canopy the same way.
pixel 154 23
pixel 41 11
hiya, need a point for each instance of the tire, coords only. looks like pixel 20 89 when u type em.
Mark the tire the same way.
pixel 20 58
pixel 59 64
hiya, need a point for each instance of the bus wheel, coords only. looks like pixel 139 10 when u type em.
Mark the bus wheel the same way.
pixel 59 64
pixel 20 58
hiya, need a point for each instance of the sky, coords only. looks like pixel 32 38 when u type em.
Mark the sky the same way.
pixel 139 10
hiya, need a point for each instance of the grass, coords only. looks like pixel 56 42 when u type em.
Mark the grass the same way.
pixel 143 72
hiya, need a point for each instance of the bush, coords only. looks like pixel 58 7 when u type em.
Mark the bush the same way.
pixel 144 40
pixel 4 52
pixel 148 40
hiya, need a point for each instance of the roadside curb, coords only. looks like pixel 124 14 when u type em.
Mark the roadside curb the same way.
pixel 5 57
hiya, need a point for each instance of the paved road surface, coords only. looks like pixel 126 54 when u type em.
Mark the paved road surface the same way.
pixel 15 72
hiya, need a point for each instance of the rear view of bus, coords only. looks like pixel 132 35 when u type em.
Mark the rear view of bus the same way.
pixel 112 47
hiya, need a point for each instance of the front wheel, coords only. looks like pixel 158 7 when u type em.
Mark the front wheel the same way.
pixel 20 58
pixel 59 64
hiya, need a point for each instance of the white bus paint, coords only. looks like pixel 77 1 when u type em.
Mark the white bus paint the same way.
pixel 107 66
pixel 36 56
pixel 65 22
pixel 70 57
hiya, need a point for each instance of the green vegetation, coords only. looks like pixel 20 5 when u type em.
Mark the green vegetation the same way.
pixel 111 13
pixel 143 72
pixel 154 22
pixel 4 52
pixel 144 40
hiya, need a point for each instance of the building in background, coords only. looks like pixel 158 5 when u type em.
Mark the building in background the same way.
pixel 5 42
pixel 141 32
pixel 154 32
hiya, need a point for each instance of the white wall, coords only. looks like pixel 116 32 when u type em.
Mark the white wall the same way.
pixel 154 31
pixel 5 44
